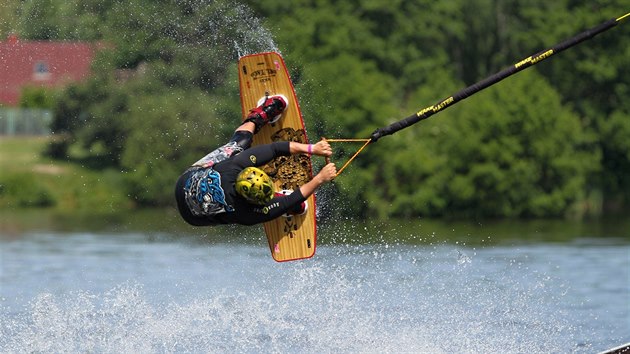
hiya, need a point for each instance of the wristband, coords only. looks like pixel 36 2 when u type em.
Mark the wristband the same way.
pixel 310 149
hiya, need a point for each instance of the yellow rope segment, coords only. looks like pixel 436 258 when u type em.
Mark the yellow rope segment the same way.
pixel 365 141
pixel 623 17
pixel 347 140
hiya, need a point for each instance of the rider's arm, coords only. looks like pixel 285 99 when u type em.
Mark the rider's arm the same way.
pixel 321 148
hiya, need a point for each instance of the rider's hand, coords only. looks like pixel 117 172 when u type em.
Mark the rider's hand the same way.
pixel 322 148
pixel 327 173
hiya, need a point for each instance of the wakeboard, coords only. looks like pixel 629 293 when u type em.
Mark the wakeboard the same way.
pixel 291 237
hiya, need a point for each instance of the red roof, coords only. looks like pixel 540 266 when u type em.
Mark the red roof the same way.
pixel 48 64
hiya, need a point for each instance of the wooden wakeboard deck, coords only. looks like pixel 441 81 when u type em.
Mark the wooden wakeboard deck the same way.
pixel 290 238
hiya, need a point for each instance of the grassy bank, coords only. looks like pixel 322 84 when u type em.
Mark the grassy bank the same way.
pixel 28 179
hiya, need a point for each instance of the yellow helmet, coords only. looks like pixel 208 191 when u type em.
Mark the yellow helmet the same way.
pixel 254 185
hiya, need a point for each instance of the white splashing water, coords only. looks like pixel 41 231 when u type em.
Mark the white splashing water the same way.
pixel 122 320
pixel 247 35
pixel 349 299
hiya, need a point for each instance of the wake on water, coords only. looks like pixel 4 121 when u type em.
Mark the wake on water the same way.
pixel 352 299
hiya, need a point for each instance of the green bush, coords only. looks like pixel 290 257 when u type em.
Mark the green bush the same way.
pixel 24 190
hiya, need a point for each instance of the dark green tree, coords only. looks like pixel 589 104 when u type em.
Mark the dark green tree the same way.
pixel 164 91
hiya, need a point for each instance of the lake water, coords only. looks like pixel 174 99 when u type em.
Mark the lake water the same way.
pixel 371 287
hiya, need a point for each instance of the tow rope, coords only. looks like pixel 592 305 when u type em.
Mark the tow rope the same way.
pixel 480 85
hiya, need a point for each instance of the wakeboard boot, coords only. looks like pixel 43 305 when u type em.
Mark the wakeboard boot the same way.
pixel 269 110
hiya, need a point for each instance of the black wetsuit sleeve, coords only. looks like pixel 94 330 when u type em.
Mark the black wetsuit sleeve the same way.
pixel 249 214
pixel 261 154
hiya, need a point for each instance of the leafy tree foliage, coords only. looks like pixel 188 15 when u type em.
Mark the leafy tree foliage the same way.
pixel 164 93
pixel 8 16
